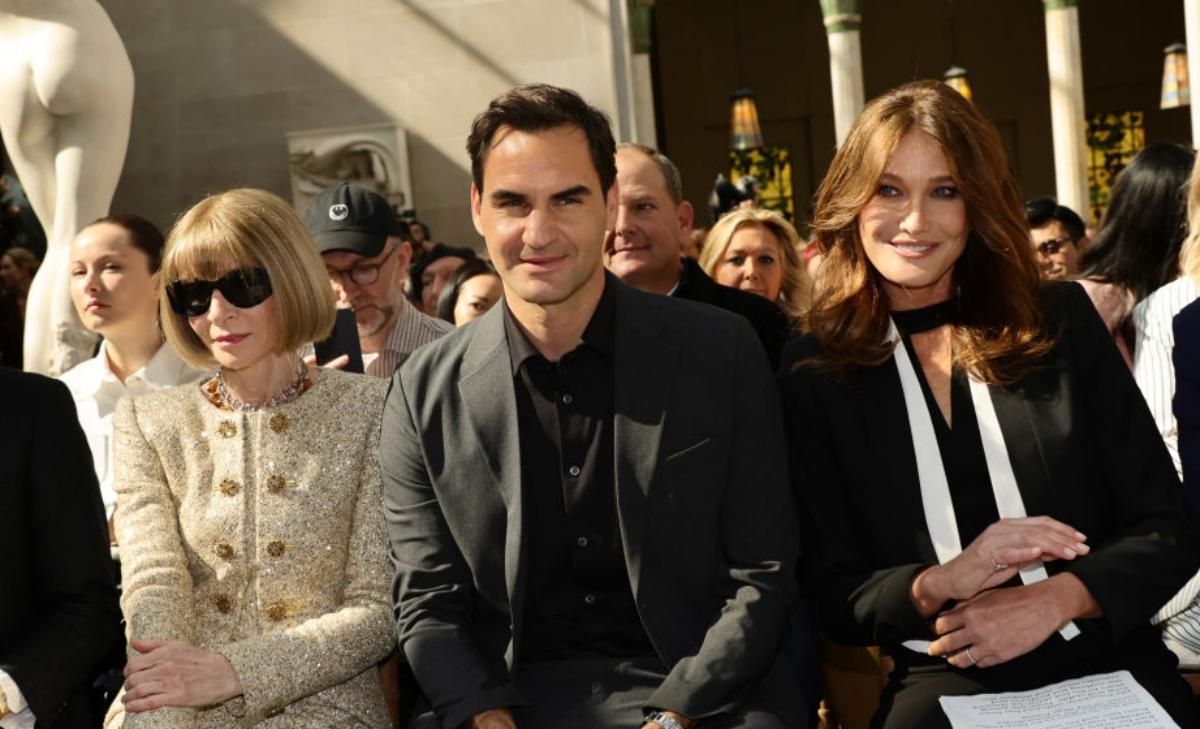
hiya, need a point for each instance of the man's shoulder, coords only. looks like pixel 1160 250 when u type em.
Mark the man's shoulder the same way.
pixel 700 287
pixel 416 329
pixel 752 306
pixel 19 386
pixel 443 351
pixel 681 309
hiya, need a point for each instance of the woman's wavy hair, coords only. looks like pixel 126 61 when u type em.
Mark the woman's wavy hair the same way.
pixel 999 334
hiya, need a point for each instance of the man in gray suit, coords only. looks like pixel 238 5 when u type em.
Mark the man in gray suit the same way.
pixel 585 488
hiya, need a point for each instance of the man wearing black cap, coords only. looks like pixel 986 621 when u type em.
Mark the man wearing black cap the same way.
pixel 366 254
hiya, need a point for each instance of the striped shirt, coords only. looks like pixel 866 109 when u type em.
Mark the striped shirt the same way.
pixel 1155 374
pixel 412 330
pixel 1152 365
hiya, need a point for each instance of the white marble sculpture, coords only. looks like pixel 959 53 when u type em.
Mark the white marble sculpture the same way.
pixel 66 97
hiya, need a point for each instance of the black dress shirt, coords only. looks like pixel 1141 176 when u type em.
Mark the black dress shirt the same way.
pixel 578 599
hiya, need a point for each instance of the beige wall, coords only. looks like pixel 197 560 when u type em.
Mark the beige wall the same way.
pixel 220 82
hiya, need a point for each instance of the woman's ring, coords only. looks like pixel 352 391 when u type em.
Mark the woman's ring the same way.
pixel 997 566
pixel 971 656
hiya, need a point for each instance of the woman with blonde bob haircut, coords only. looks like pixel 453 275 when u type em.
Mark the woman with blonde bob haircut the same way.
pixel 983 491
pixel 253 553
pixel 250 228
pixel 757 251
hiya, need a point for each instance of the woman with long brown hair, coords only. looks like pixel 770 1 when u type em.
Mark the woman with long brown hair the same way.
pixel 982 487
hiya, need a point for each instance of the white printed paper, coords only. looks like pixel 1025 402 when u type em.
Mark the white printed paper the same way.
pixel 1103 701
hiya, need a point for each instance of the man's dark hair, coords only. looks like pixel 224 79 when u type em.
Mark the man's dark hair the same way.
pixel 670 172
pixel 536 108
pixel 1042 210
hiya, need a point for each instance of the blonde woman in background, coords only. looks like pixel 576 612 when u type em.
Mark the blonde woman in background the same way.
pixel 253 555
pixel 758 251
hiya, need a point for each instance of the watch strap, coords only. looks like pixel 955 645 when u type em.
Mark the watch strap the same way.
pixel 663 720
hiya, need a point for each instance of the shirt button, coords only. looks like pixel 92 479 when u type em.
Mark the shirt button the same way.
pixel 567 399
pixel 276 549
pixel 589 599
pixel 582 541
pixel 574 471
pixel 222 604
pixel 276 484
pixel 229 487
pixel 225 551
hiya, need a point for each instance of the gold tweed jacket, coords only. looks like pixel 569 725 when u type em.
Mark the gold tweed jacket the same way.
pixel 259 535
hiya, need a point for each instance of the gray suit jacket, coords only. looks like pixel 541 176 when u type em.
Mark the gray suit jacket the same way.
pixel 705 513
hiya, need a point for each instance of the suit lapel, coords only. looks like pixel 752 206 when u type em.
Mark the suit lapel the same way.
pixel 643 383
pixel 490 401
pixel 1014 411
pixel 882 399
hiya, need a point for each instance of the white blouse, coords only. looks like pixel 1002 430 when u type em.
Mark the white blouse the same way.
pixel 96 391
pixel 1152 366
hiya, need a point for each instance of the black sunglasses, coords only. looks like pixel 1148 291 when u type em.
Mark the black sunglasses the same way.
pixel 243 288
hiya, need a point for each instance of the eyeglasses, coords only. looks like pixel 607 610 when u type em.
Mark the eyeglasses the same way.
pixel 363 274
pixel 1053 245
pixel 243 288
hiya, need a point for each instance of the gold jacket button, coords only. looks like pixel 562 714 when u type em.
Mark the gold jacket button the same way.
pixel 225 551
pixel 276 484
pixel 229 487
pixel 279 422
pixel 222 604
pixel 276 611
pixel 276 549
pixel 227 429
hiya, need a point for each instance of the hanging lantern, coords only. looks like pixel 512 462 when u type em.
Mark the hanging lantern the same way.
pixel 1176 91
pixel 747 134
pixel 956 78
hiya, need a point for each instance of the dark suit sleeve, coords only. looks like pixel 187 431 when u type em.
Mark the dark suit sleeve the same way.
pixel 1151 549
pixel 759 543
pixel 433 588
pixel 852 603
pixel 75 595
pixel 1186 356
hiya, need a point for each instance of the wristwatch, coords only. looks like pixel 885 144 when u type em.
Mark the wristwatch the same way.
pixel 663 720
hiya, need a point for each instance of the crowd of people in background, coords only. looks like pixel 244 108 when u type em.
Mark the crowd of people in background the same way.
pixel 614 469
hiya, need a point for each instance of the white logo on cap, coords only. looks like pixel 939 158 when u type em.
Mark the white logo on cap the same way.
pixel 339 211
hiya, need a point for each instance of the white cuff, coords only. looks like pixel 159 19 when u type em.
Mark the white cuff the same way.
pixel 21 716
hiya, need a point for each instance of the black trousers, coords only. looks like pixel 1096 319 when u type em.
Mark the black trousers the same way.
pixel 600 693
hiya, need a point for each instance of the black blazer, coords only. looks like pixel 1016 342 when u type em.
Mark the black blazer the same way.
pixel 704 510
pixel 769 322
pixel 1186 356
pixel 58 615
pixel 1084 450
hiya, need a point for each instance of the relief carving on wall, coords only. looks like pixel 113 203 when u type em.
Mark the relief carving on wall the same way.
pixel 374 156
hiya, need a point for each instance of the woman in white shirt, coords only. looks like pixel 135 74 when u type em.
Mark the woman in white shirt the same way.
pixel 1154 370
pixel 1152 317
pixel 114 265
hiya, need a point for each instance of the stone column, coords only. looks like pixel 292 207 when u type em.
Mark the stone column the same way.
pixel 1067 117
pixel 842 21
pixel 1191 16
